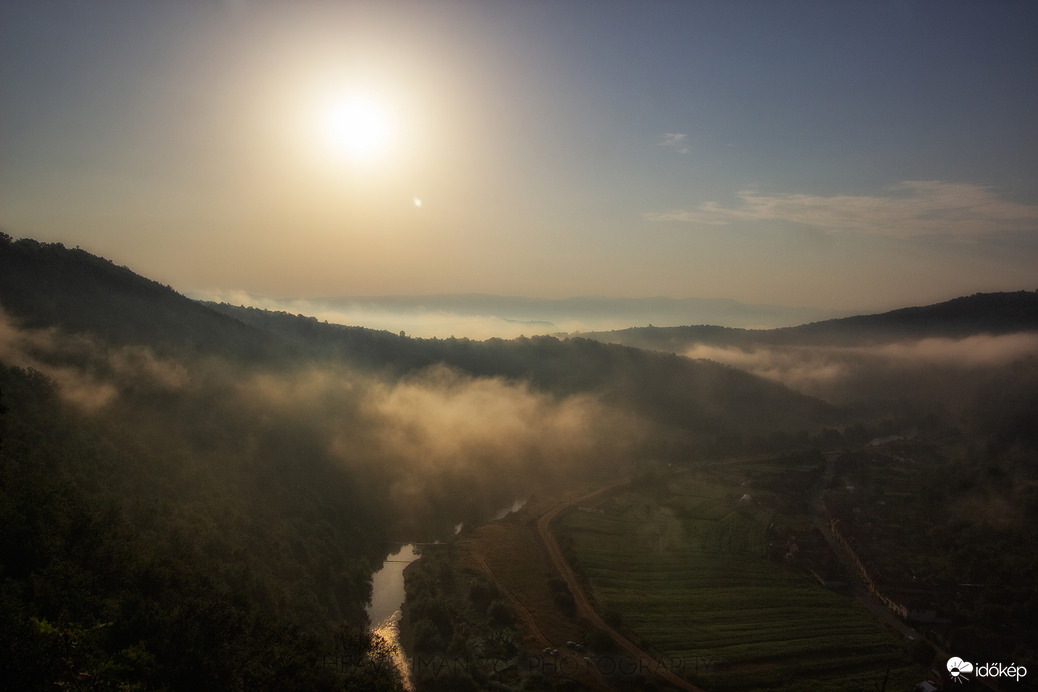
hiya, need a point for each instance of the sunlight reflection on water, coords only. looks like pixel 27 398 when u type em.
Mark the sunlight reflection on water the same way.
pixel 389 629
pixel 387 595
pixel 387 584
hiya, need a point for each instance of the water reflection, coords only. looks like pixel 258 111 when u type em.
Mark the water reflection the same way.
pixel 387 592
pixel 389 630
pixel 387 596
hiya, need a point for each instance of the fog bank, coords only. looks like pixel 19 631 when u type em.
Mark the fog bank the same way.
pixel 436 446
pixel 486 316
pixel 839 373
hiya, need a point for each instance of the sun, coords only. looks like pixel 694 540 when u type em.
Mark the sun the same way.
pixel 358 127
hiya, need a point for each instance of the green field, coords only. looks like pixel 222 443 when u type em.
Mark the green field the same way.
pixel 683 566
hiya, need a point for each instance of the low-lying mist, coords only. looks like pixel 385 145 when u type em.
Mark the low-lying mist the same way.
pixel 933 368
pixel 487 316
pixel 89 373
pixel 434 448
pixel 447 447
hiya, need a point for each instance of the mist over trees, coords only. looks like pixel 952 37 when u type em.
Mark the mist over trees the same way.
pixel 200 498
pixel 934 357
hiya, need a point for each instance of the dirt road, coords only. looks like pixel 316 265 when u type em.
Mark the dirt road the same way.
pixel 584 607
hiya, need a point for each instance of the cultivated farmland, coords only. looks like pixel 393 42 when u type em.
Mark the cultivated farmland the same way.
pixel 680 562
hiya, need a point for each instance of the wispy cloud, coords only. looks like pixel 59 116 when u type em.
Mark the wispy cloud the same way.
pixel 911 208
pixel 60 356
pixel 676 141
pixel 842 374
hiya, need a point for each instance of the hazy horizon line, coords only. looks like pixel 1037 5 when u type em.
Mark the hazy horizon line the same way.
pixel 483 315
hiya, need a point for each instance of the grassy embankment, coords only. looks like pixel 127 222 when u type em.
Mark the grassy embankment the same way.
pixel 681 564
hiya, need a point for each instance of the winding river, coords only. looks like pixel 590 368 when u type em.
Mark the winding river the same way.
pixel 387 596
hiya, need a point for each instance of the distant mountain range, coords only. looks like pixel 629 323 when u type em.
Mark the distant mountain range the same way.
pixel 482 316
pixel 593 310
pixel 49 284
pixel 982 313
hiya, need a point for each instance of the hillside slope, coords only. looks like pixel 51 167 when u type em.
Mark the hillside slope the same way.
pixel 49 285
pixel 196 496
pixel 982 313
pixel 697 397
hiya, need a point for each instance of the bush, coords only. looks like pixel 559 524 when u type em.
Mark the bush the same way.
pixel 500 614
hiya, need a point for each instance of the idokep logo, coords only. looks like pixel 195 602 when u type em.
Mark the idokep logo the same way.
pixel 958 668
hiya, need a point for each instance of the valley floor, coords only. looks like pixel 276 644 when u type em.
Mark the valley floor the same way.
pixel 666 581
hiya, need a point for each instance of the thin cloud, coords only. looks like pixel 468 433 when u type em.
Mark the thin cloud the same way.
pixel 676 141
pixel 92 388
pixel 841 373
pixel 912 208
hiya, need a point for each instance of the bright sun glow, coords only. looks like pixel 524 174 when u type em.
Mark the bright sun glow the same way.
pixel 359 127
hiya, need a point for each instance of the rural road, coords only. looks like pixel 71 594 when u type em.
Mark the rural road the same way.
pixel 858 587
pixel 584 607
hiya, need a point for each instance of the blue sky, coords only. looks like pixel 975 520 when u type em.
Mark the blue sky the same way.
pixel 843 155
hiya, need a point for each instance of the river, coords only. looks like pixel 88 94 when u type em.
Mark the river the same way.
pixel 387 596
pixel 387 592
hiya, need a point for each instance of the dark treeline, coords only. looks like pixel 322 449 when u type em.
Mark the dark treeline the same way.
pixel 49 285
pixel 136 557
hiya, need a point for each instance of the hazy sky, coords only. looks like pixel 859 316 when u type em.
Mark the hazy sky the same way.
pixel 831 154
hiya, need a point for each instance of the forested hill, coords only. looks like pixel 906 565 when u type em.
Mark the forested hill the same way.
pixel 702 398
pixel 989 313
pixel 982 313
pixel 195 497
pixel 47 285
pixel 164 526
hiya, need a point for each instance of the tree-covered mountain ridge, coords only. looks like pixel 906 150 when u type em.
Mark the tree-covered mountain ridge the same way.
pixel 196 496
pixel 981 313
pixel 48 285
